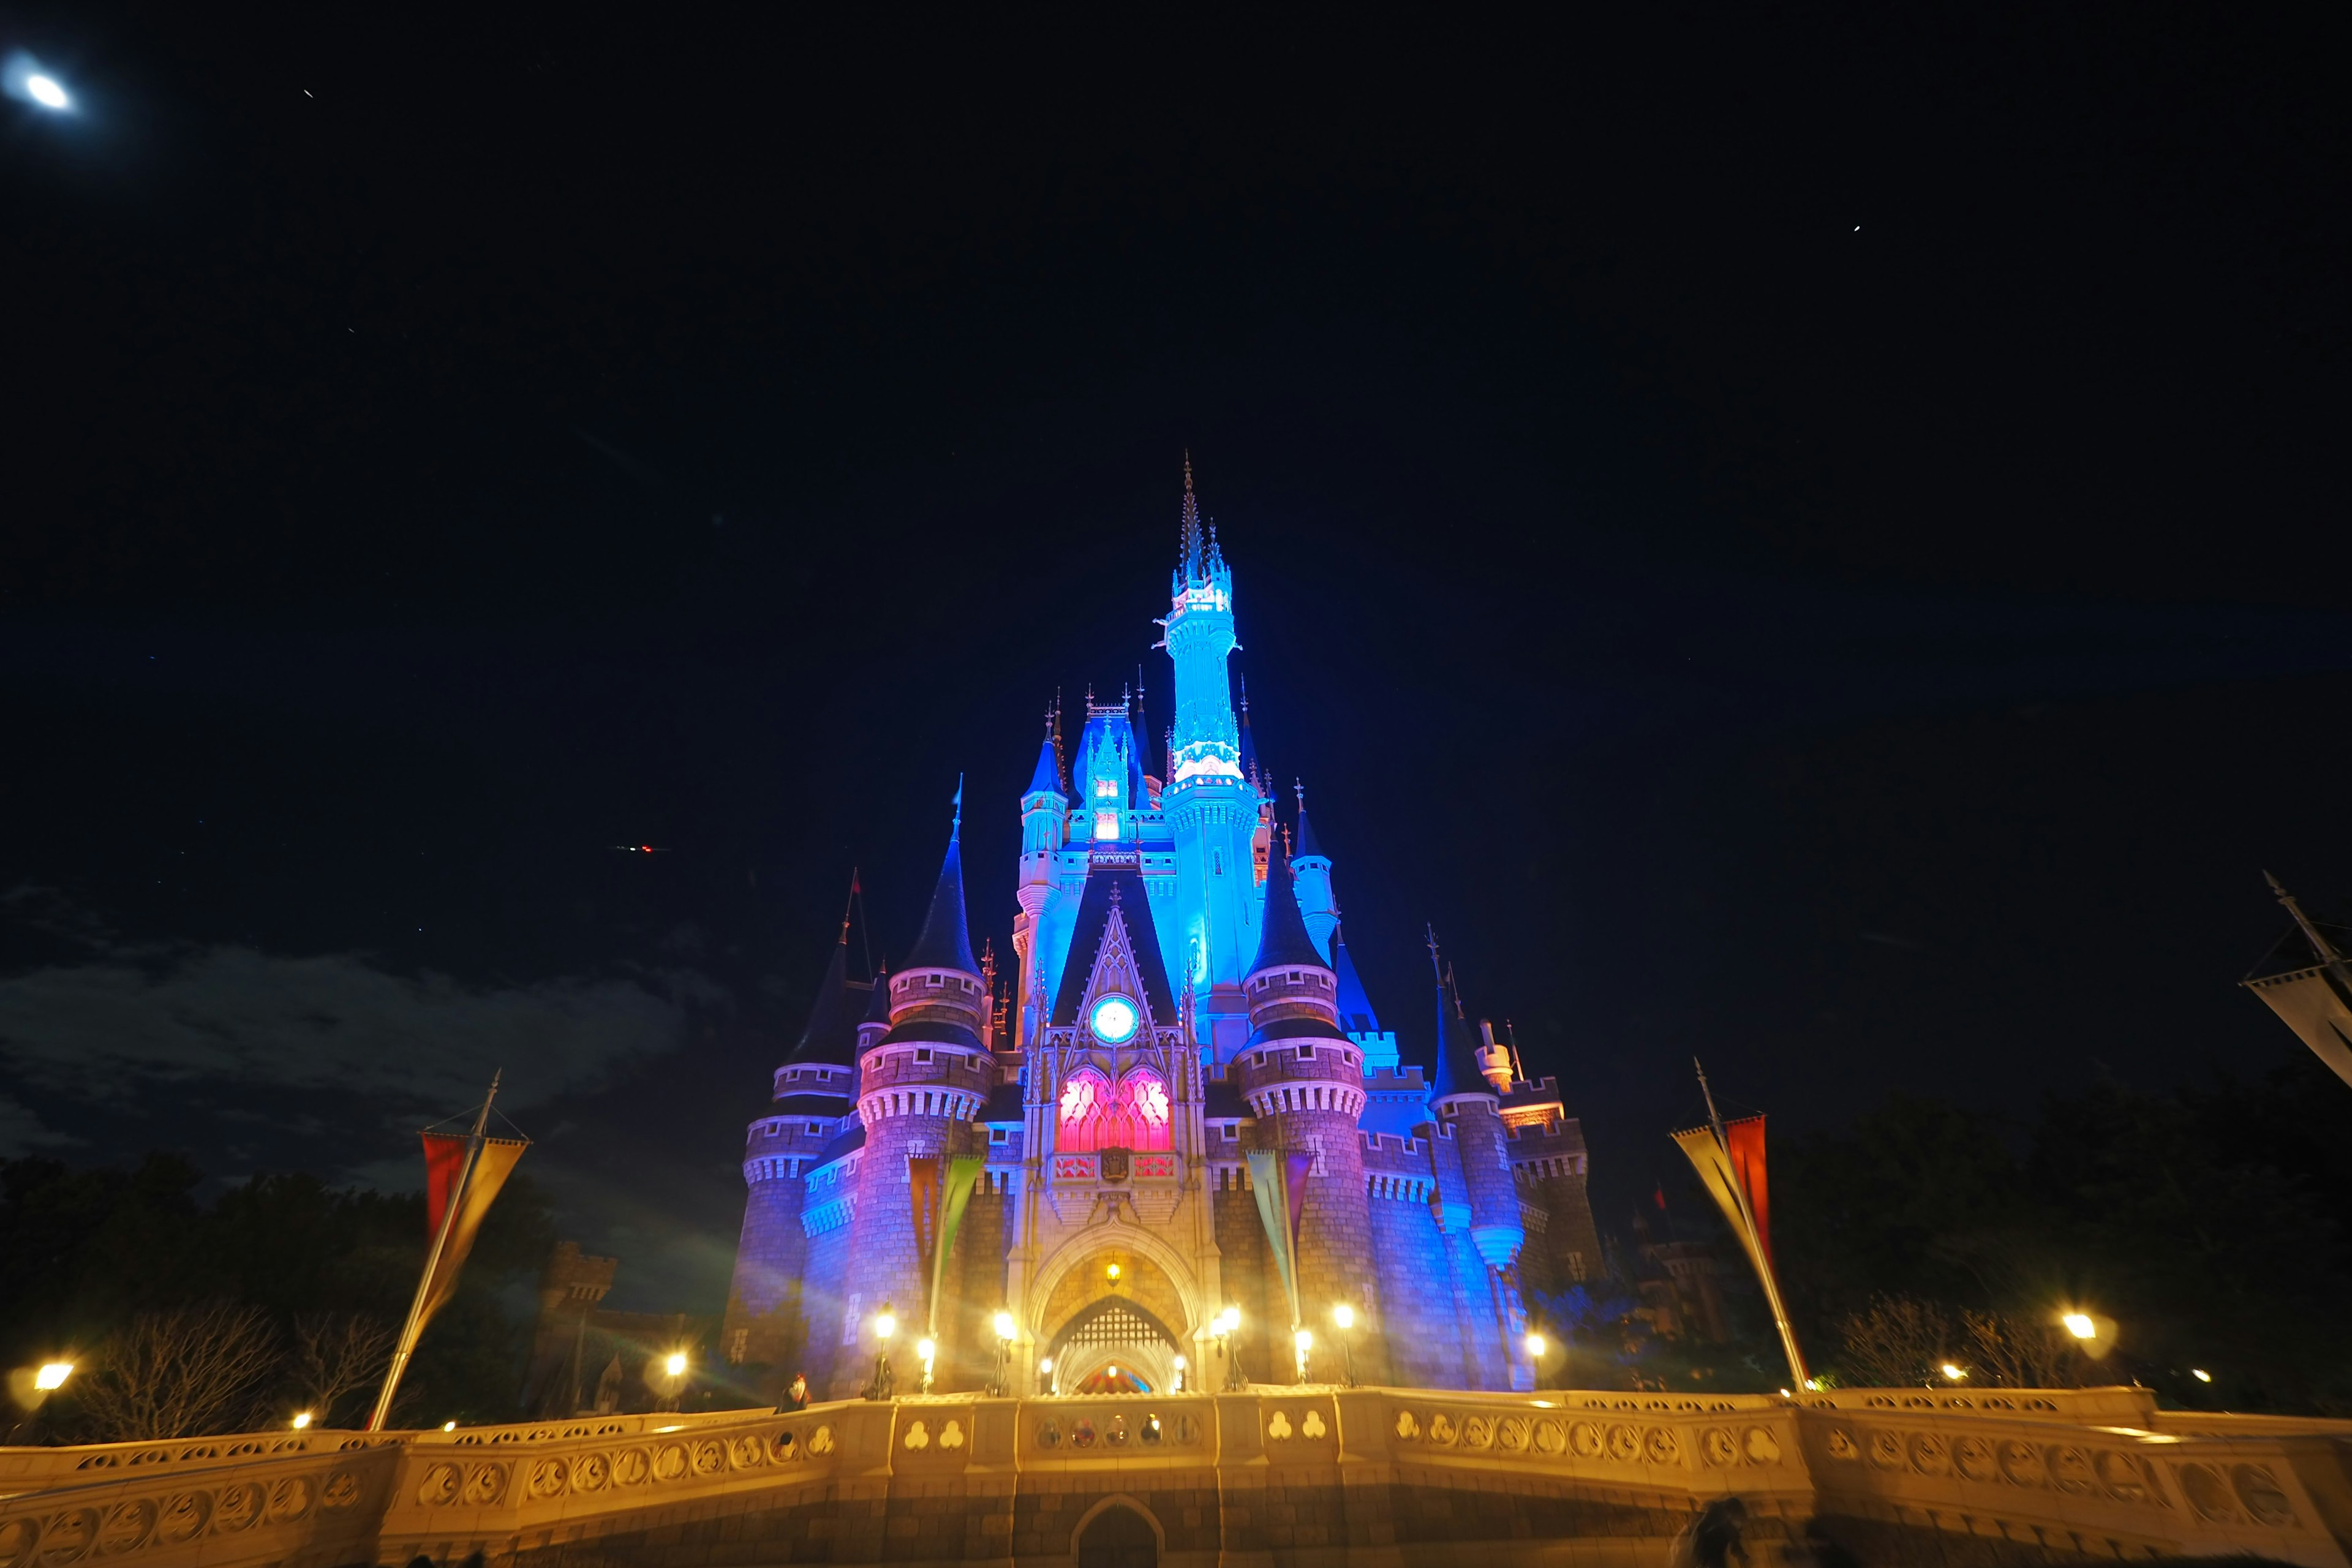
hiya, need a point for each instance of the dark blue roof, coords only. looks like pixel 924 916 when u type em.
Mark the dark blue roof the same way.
pixel 849 1139
pixel 1290 1030
pixel 1003 1104
pixel 1457 1045
pixel 804 1101
pixel 1282 936
pixel 1087 939
pixel 1046 778
pixel 1249 740
pixel 877 999
pixel 1306 844
pixel 946 941
pixel 831 1033
pixel 1356 1015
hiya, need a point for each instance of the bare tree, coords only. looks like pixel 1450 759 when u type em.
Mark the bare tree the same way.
pixel 2014 1352
pixel 1899 1342
pixel 181 1375
pixel 338 1354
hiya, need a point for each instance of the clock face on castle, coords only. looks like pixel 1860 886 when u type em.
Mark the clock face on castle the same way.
pixel 1113 1020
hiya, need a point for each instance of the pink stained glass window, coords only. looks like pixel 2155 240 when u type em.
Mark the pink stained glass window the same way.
pixel 1086 1108
pixel 1143 1110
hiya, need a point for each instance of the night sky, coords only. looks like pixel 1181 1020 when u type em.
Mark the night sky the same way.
pixel 1811 538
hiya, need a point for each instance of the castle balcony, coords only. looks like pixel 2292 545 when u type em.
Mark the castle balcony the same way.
pixel 1896 1476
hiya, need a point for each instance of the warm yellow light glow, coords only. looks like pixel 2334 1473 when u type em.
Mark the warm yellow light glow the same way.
pixel 1536 1347
pixel 1814 1384
pixel 1110 1370
pixel 2200 1374
pixel 2079 1325
pixel 1229 1320
pixel 1344 1315
pixel 448 1426
pixel 1953 1373
pixel 301 1419
pixel 1045 1365
pixel 885 1326
pixel 1112 1273
pixel 676 1364
pixel 1004 1325
pixel 926 1347
pixel 52 1376
pixel 1305 1340
pixel 1181 1363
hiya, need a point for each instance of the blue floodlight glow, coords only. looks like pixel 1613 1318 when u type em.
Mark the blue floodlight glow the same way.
pixel 24 79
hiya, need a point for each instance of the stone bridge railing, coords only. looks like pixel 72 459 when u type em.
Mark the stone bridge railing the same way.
pixel 1272 1476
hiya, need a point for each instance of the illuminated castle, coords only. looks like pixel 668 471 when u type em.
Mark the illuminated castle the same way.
pixel 1184 996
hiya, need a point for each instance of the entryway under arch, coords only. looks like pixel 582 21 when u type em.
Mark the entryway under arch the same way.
pixel 1115 1331
pixel 1117 1537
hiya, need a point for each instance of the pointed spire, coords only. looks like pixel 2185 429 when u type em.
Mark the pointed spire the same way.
pixel 1045 778
pixel 877 1003
pixel 1191 563
pixel 830 1034
pixel 1282 936
pixel 946 941
pixel 1356 1015
pixel 1457 1043
pixel 1307 847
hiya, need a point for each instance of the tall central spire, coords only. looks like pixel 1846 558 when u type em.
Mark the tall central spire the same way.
pixel 1189 545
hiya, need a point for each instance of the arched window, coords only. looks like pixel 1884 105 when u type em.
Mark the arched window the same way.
pixel 1144 1111
pixel 1086 1107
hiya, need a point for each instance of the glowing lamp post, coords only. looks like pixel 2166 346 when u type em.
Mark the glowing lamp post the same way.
pixel 2079 1325
pixel 927 1349
pixel 1228 1323
pixel 1179 1388
pixel 1005 1328
pixel 52 1376
pixel 1345 1317
pixel 1302 1342
pixel 885 1327
pixel 1046 1371
pixel 667 1376
pixel 301 1420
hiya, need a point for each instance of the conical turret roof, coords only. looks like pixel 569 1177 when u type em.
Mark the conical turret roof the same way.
pixel 946 939
pixel 1457 1050
pixel 1356 1015
pixel 1282 936
pixel 1306 844
pixel 1045 778
pixel 830 1037
pixel 877 1000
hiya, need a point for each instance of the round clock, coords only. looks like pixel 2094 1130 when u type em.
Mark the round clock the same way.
pixel 1114 1020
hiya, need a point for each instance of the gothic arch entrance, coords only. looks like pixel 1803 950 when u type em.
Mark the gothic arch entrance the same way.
pixel 1115 1535
pixel 1114 1331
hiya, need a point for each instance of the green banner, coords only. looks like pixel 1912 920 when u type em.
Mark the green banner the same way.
pixel 1268 1185
pixel 964 1172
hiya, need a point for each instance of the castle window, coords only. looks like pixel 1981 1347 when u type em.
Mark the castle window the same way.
pixel 923 1055
pixel 1233 1132
pixel 998 1135
pixel 1106 789
pixel 1307 1053
pixel 1106 825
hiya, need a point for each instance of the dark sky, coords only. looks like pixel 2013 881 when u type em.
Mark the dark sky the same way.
pixel 1809 537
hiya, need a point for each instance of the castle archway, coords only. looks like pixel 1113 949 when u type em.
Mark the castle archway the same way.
pixel 1114 1332
pixel 1117 1532
pixel 1152 1274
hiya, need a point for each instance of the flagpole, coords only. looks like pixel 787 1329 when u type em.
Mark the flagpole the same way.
pixel 411 1331
pixel 1764 1271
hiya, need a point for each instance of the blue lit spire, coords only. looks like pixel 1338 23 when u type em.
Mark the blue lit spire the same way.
pixel 1356 1015
pixel 1457 1043
pixel 1047 777
pixel 1199 638
pixel 945 942
pixel 1283 939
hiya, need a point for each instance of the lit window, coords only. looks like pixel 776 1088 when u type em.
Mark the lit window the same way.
pixel 1106 789
pixel 1086 1102
pixel 1106 825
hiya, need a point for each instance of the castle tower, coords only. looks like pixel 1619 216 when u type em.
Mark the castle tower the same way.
pixel 1469 1111
pixel 921 1085
pixel 811 1093
pixel 1044 819
pixel 1212 809
pixel 1303 1080
pixel 1311 869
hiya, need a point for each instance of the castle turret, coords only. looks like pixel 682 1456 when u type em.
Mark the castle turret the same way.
pixel 1044 819
pixel 1311 869
pixel 921 1085
pixel 1304 1080
pixel 813 1091
pixel 1212 807
pixel 1469 1111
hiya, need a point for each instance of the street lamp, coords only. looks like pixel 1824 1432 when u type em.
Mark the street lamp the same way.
pixel 1345 1316
pixel 1953 1372
pixel 52 1376
pixel 1302 1341
pixel 885 1327
pixel 927 1348
pixel 1179 1376
pixel 676 1364
pixel 1005 1326
pixel 301 1420
pixel 1228 1323
pixel 1046 1371
pixel 1536 1346
pixel 2080 1325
